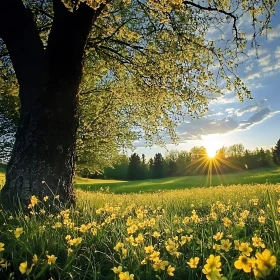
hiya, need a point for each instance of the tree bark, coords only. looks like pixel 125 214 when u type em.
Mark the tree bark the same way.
pixel 42 161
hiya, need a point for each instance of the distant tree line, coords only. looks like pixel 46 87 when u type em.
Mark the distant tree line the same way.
pixel 186 163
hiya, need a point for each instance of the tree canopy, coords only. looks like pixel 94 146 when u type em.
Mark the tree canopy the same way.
pixel 147 64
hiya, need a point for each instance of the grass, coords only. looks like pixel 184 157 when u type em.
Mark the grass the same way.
pixel 257 176
pixel 173 234
pixel 191 233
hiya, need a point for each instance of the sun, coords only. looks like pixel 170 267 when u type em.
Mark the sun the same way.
pixel 211 151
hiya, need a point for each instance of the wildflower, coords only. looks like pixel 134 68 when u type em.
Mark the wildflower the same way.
pixel 118 246
pixel 45 198
pixel 170 270
pixel 124 253
pixel 154 256
pixel 227 222
pixel 243 263
pixel 212 267
pixel 126 276
pixel 35 258
pixel 258 242
pixel 117 270
pixel 225 245
pixel 261 219
pixel 34 200
pixel 18 232
pixel 139 238
pixel 218 236
pixel 83 228
pixel 57 225
pixel 149 249
pixel 3 263
pixel 51 259
pixel 245 248
pixel 193 262
pixel 264 264
pixel 23 268
pixel 68 237
pixel 160 265
pixel 2 247
pixel 56 197
pixel 75 241
pixel 69 251
pixel 236 244
pixel 156 234
pixel 216 247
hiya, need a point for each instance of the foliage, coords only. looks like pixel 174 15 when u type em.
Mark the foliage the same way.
pixel 276 153
pixel 121 97
pixel 108 237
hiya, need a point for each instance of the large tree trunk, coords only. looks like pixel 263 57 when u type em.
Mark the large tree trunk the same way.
pixel 42 161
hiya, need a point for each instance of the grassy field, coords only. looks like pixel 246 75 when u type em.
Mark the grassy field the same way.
pixel 257 176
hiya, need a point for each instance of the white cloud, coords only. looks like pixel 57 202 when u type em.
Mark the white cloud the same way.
pixel 264 61
pixel 274 33
pixel 250 108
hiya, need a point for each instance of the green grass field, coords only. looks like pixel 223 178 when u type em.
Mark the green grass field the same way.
pixel 257 176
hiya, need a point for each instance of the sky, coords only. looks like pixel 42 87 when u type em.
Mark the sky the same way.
pixel 253 123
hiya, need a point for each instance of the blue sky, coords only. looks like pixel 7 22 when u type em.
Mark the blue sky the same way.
pixel 253 123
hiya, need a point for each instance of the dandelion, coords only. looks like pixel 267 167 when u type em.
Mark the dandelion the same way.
pixel 51 259
pixel 170 270
pixel 2 247
pixel 18 232
pixel 243 263
pixel 193 262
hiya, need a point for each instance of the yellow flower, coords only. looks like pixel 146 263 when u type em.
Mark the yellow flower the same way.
pixel 218 236
pixel 83 228
pixel 227 222
pixel 69 251
pixel 75 241
pixel 126 276
pixel 117 270
pixel 45 198
pixel 245 248
pixel 2 247
pixel 118 246
pixel 264 264
pixel 139 238
pixel 35 258
pixel 34 200
pixel 261 219
pixel 18 232
pixel 212 267
pixel 68 237
pixel 160 265
pixel 154 256
pixel 23 268
pixel 124 253
pixel 170 270
pixel 258 242
pixel 225 245
pixel 156 234
pixel 51 259
pixel 243 263
pixel 149 249
pixel 193 262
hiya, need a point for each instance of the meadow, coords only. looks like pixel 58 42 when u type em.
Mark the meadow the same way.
pixel 255 176
pixel 220 232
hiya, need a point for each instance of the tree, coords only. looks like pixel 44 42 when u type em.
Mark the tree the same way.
pixel 276 153
pixel 158 166
pixel 126 43
pixel 134 167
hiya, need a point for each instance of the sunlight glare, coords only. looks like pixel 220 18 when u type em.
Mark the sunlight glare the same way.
pixel 211 152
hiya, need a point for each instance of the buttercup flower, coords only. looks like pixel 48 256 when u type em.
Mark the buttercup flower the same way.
pixel 193 262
